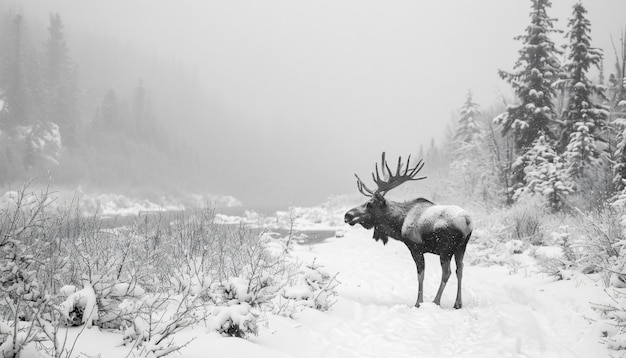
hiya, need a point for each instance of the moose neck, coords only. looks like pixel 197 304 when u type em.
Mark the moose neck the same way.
pixel 391 222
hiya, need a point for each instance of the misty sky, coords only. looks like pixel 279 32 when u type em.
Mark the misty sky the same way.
pixel 305 93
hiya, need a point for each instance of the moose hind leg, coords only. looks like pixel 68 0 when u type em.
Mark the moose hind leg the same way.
pixel 458 258
pixel 445 275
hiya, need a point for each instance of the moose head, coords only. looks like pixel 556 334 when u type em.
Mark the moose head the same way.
pixel 375 213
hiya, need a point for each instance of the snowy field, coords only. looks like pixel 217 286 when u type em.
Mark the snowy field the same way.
pixel 509 311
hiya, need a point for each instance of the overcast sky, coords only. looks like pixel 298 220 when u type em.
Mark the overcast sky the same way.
pixel 308 92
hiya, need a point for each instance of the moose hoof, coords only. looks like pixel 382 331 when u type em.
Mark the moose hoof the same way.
pixel 458 305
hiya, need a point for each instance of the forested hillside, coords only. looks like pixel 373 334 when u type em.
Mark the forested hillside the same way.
pixel 101 114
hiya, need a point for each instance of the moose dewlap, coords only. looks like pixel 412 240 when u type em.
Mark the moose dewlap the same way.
pixel 421 225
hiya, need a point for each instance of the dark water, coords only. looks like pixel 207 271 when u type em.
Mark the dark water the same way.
pixel 241 210
pixel 306 237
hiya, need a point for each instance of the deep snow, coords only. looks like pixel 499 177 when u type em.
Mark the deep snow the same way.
pixel 507 312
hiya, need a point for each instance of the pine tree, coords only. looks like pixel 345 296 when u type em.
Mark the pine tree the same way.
pixel 139 109
pixel 467 129
pixel 536 70
pixel 108 116
pixel 60 82
pixel 12 82
pixel 583 119
pixel 545 174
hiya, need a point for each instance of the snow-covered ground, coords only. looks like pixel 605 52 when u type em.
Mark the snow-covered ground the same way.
pixel 507 312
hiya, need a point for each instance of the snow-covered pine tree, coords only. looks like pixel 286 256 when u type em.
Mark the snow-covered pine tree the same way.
pixel 467 129
pixel 583 119
pixel 617 101
pixel 535 71
pixel 581 152
pixel 474 166
pixel 545 174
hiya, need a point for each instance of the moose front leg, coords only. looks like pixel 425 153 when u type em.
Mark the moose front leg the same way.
pixel 418 257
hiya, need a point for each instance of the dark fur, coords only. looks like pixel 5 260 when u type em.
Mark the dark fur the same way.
pixel 388 217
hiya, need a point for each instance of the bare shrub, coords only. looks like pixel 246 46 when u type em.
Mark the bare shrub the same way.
pixel 599 245
pixel 152 276
pixel 526 222
pixel 559 265
pixel 157 317
pixel 22 297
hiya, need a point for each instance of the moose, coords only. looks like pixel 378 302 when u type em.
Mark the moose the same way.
pixel 421 225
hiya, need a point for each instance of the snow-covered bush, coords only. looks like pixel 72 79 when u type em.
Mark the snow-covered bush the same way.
pixel 526 221
pixel 614 319
pixel 22 297
pixel 561 263
pixel 322 286
pixel 599 247
pixel 236 320
pixel 109 264
pixel 155 320
pixel 235 270
pixel 316 291
pixel 606 252
pixel 588 242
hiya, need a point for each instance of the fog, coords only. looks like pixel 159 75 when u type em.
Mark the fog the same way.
pixel 299 95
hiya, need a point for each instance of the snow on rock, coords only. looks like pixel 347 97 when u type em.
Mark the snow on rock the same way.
pixel 237 291
pixel 230 219
pixel 117 204
pixel 201 201
pixel 617 280
pixel 238 320
pixel 514 246
pixel 300 292
pixel 82 303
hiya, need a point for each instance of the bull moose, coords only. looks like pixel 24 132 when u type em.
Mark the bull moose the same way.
pixel 421 225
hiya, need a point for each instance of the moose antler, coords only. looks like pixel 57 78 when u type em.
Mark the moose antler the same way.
pixel 390 180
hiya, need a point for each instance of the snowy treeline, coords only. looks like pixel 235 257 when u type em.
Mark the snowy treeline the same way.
pixel 85 117
pixel 564 133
